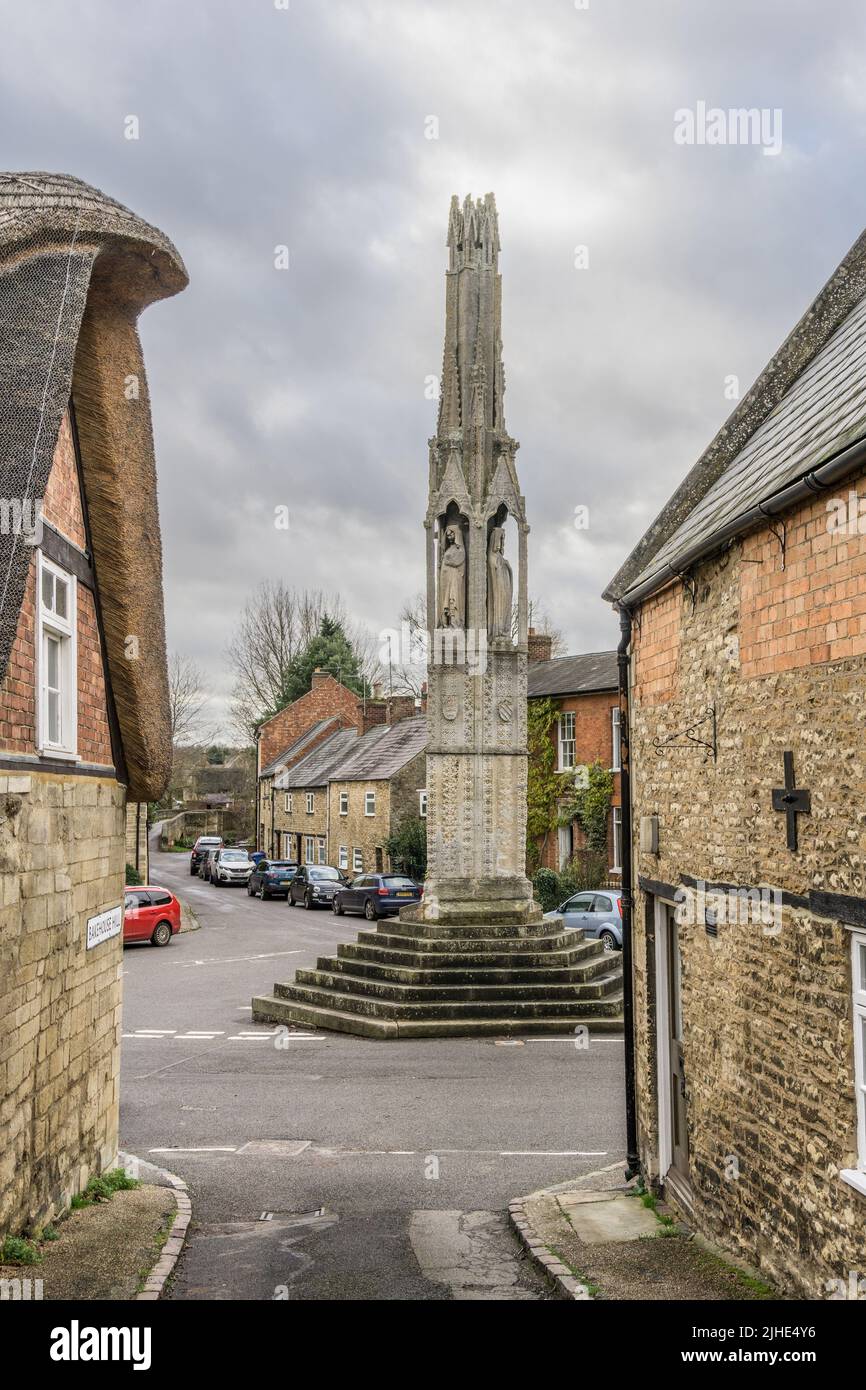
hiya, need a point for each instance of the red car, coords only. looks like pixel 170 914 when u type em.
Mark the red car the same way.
pixel 150 914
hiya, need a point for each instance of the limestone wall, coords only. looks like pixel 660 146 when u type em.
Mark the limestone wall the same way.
pixel 768 1033
pixel 62 851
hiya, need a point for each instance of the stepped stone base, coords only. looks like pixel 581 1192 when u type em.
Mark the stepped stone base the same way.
pixel 413 978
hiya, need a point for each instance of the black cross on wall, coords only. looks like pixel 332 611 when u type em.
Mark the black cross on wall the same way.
pixel 794 801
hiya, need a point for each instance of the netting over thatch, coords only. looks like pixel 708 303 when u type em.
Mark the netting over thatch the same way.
pixel 76 269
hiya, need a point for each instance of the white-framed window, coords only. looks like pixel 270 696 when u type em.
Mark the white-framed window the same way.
pixel 358 860
pixel 309 854
pixel 344 803
pixel 616 866
pixel 369 803
pixel 287 845
pixel 57 660
pixel 310 803
pixel 290 802
pixel 344 857
pixel 320 849
pixel 858 974
pixel 615 715
pixel 566 740
pixel 422 805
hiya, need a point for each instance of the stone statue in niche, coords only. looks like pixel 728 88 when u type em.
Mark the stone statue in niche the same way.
pixel 500 586
pixel 452 580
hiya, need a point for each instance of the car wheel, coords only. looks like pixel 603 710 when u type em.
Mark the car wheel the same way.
pixel 192 873
pixel 369 910
pixel 251 892
pixel 161 934
pixel 336 907
pixel 608 940
pixel 263 894
pixel 308 902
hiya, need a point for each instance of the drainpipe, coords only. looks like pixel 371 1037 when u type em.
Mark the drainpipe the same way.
pixel 633 1157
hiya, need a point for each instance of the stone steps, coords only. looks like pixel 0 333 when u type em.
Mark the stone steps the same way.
pixel 433 931
pixel 461 974
pixel 268 1009
pixel 518 960
pixel 553 941
pixel 427 995
pixel 400 981
pixel 435 1007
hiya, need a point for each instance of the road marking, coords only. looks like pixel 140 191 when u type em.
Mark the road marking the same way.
pixel 233 960
pixel 293 1148
pixel 175 1150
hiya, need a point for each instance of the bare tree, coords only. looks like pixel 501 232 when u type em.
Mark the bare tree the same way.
pixel 275 628
pixel 187 698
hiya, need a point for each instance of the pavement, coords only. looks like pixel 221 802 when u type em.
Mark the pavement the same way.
pixel 104 1251
pixel 325 1166
pixel 601 1239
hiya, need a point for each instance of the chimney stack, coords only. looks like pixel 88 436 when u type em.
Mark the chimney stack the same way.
pixel 539 645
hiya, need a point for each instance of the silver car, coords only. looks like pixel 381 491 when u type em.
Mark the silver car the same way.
pixel 230 866
pixel 599 913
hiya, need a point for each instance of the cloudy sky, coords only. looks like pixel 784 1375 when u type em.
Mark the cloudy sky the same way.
pixel 263 124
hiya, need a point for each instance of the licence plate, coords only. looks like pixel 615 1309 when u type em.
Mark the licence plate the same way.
pixel 405 893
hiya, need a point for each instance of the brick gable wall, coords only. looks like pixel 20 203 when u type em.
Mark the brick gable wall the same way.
pixel 18 697
pixel 327 699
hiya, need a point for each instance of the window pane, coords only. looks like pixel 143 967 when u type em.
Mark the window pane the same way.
pixel 861 955
pixel 48 589
pixel 52 651
pixel 61 589
pixel 53 717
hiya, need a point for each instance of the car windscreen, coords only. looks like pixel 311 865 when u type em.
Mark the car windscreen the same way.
pixel 398 881
pixel 237 856
pixel 206 844
pixel 323 873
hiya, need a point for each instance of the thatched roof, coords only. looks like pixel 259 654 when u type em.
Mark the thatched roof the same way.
pixel 76 270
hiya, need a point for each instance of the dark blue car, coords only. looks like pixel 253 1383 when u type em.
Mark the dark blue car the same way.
pixel 271 878
pixel 377 895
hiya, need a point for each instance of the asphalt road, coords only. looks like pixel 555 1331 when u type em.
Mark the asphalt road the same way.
pixel 330 1167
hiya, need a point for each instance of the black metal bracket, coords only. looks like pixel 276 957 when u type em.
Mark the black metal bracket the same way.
pixel 782 538
pixel 689 583
pixel 709 742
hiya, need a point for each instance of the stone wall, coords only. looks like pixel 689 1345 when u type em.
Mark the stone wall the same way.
pixel 356 830
pixel 61 862
pixel 137 849
pixel 766 1016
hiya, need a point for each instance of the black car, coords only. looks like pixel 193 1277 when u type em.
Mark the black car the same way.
pixel 271 878
pixel 377 895
pixel 200 849
pixel 314 885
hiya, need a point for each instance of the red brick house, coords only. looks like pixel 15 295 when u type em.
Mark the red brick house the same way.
pixel 585 691
pixel 743 612
pixel 295 732
pixel 84 717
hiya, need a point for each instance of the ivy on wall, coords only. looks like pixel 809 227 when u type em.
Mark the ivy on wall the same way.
pixel 544 784
pixel 553 799
pixel 590 806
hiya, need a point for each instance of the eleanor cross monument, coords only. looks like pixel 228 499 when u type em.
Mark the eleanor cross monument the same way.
pixel 475 957
pixel 477 642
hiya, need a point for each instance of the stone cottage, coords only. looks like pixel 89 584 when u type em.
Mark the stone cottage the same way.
pixel 84 716
pixel 292 734
pixel 381 783
pixel 744 624
pixel 584 690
